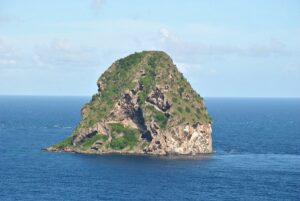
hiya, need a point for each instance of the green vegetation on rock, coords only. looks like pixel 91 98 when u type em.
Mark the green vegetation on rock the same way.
pixel 88 142
pixel 66 143
pixel 123 137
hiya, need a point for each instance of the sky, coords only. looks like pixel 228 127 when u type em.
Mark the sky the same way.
pixel 224 48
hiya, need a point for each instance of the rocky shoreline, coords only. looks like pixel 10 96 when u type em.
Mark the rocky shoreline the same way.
pixel 169 155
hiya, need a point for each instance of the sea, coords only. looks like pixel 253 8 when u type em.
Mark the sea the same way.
pixel 256 156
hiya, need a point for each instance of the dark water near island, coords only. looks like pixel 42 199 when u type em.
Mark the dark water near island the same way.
pixel 256 142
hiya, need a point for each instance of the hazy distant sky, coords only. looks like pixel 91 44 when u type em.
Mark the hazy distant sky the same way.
pixel 224 48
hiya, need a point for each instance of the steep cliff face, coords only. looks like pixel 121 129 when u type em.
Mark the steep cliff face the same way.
pixel 144 105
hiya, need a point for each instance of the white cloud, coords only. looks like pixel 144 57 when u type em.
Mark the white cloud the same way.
pixel 192 50
pixel 272 47
pixel 97 5
pixel 164 33
pixel 10 19
pixel 7 61
pixel 64 53
pixel 8 54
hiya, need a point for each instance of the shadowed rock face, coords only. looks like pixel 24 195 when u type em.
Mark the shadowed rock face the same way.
pixel 144 105
pixel 157 98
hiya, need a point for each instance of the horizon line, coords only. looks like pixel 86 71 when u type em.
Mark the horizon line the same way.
pixel 51 95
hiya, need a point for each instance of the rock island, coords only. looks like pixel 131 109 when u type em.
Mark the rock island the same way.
pixel 144 105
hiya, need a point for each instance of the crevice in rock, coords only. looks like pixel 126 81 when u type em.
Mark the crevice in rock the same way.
pixel 132 110
pixel 140 121
pixel 157 98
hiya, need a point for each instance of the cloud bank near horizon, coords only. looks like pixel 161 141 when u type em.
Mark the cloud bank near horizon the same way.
pixel 220 54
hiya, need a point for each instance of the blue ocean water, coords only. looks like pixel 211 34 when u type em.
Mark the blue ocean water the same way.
pixel 256 143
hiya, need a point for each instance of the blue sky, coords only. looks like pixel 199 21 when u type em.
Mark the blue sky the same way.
pixel 224 48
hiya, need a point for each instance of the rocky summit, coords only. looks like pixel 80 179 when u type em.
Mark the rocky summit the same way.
pixel 144 105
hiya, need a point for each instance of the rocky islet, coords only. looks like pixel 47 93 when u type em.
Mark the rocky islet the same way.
pixel 144 105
